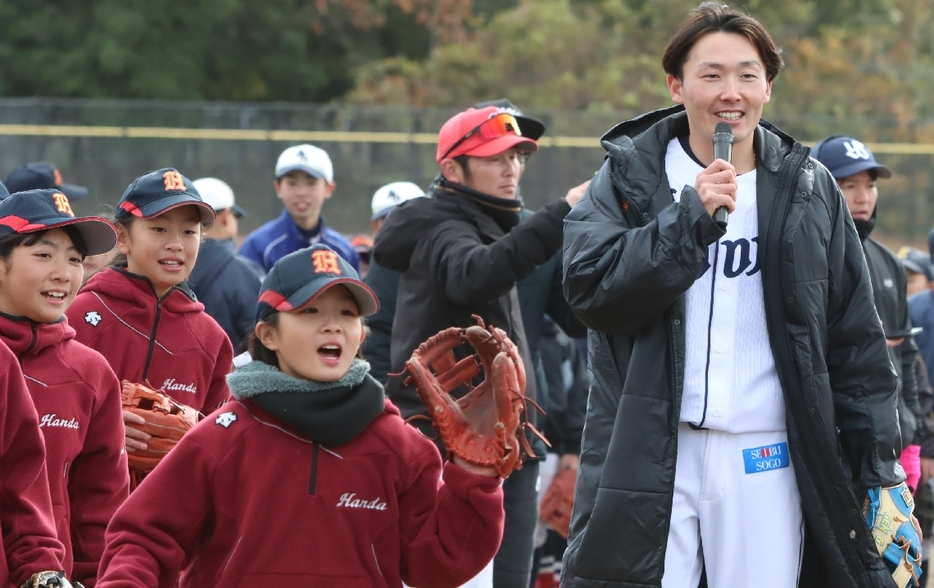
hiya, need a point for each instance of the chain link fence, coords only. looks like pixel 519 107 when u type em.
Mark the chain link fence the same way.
pixel 105 144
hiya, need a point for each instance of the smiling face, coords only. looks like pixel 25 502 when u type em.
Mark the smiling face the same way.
pixel 724 80
pixel 163 248
pixel 40 281
pixel 319 340
pixel 303 195
pixel 861 193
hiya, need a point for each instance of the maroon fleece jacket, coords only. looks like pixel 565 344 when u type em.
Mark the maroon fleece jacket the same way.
pixel 255 504
pixel 28 530
pixel 77 397
pixel 169 342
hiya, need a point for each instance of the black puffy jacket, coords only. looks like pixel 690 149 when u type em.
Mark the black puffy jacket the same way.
pixel 630 254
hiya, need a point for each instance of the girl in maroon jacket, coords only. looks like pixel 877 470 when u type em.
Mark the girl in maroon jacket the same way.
pixel 140 314
pixel 74 391
pixel 310 477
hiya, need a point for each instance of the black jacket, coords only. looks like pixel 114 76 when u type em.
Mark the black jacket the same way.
pixel 889 285
pixel 630 254
pixel 385 284
pixel 228 285
pixel 459 256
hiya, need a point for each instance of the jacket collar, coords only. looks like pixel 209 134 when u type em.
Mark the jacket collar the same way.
pixel 637 147
pixel 25 336
pixel 138 290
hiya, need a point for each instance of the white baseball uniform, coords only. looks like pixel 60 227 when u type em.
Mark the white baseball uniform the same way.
pixel 736 508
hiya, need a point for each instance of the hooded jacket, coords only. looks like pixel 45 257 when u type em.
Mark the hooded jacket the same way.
pixel 169 342
pixel 460 254
pixel 630 255
pixel 29 540
pixel 77 397
pixel 261 500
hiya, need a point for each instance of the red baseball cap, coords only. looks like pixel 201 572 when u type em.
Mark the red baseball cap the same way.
pixel 480 133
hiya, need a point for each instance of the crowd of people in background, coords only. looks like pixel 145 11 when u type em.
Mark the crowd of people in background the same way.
pixel 291 342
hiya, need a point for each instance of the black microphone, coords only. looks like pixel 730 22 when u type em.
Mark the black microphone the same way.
pixel 722 149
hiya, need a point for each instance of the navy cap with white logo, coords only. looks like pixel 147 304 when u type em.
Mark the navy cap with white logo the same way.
pixel 156 192
pixel 41 210
pixel 845 156
pixel 304 274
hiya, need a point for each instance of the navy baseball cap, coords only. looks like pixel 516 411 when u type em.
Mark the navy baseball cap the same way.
pixel 40 175
pixel 530 127
pixel 917 261
pixel 41 210
pixel 844 156
pixel 304 274
pixel 156 192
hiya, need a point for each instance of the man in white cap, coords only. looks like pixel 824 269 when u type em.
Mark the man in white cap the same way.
pixel 390 196
pixel 225 282
pixel 383 281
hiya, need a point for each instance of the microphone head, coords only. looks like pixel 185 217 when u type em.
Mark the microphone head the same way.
pixel 725 131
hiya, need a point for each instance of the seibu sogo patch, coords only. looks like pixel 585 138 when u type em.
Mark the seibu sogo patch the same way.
pixel 767 458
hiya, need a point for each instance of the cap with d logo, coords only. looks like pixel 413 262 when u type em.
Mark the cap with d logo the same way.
pixel 41 210
pixel 304 274
pixel 156 192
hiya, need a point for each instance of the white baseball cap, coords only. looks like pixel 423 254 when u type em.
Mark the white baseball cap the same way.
pixel 391 195
pixel 312 160
pixel 218 195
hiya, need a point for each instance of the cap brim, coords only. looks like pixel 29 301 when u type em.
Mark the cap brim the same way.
pixel 498 145
pixel 74 192
pixel 531 128
pixel 307 169
pixel 910 265
pixel 382 213
pixel 365 297
pixel 160 205
pixel 861 166
pixel 98 234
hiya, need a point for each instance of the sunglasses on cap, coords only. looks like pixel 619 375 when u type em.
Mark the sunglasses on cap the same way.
pixel 499 124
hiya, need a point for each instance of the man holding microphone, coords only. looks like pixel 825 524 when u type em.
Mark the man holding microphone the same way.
pixel 731 363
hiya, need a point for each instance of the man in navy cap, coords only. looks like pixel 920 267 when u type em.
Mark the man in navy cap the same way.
pixel 857 172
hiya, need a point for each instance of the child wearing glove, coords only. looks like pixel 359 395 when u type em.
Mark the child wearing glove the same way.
pixel 309 476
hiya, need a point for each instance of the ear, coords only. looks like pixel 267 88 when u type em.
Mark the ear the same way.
pixel 452 171
pixel 674 89
pixel 768 91
pixel 268 335
pixel 276 184
pixel 329 189
pixel 123 239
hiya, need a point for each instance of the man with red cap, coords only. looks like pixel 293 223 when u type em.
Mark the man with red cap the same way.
pixel 460 252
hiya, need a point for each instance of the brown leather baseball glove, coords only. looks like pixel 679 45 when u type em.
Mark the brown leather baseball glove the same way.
pixel 166 422
pixel 555 510
pixel 486 426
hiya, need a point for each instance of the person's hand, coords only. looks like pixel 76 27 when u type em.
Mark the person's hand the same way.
pixel 569 461
pixel 927 469
pixel 894 342
pixel 135 439
pixel 575 193
pixel 474 468
pixel 717 186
